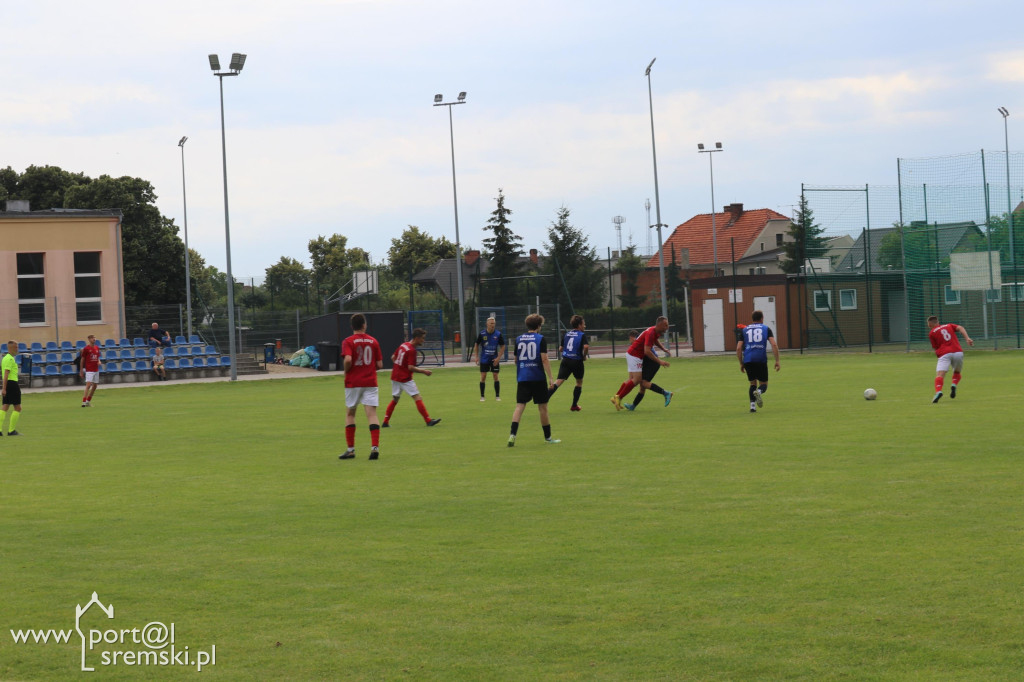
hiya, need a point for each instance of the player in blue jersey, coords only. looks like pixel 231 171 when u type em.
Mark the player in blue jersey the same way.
pixel 492 348
pixel 575 349
pixel 533 372
pixel 752 352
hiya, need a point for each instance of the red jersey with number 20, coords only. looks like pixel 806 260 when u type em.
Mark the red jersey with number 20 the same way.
pixel 944 339
pixel 365 352
pixel 647 338
pixel 404 359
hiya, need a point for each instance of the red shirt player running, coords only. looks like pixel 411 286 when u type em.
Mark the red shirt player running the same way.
pixel 90 369
pixel 401 377
pixel 362 359
pixel 643 364
pixel 949 352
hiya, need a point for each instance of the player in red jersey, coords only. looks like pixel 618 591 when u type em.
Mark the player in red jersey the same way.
pixel 90 369
pixel 643 364
pixel 401 377
pixel 362 359
pixel 949 352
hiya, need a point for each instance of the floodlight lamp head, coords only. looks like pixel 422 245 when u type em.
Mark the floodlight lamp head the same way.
pixel 183 140
pixel 462 96
pixel 1004 112
pixel 438 98
pixel 700 146
pixel 214 62
pixel 648 71
pixel 237 62
pixel 718 145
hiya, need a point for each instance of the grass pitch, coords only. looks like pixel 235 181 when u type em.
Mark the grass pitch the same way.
pixel 825 537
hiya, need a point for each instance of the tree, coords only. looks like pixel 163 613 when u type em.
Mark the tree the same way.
pixel 807 241
pixel 503 249
pixel 571 259
pixel 630 266
pixel 286 283
pixel 153 255
pixel 46 187
pixel 414 250
pixel 675 287
pixel 333 263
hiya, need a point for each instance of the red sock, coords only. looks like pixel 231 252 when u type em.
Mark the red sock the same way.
pixel 391 408
pixel 374 435
pixel 350 435
pixel 423 410
pixel 956 378
pixel 938 384
pixel 626 387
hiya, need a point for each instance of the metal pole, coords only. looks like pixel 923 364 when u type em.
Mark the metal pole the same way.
pixel 714 232
pixel 188 266
pixel 657 197
pixel 458 244
pixel 227 238
pixel 1009 221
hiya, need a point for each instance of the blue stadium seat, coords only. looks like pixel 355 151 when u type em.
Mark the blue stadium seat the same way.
pixel 109 355
pixel 210 350
pixel 52 359
pixel 170 363
pixel 124 343
pixel 66 345
pixel 126 354
pixel 139 341
pixel 110 343
pixel 141 354
pixel 198 350
pixel 52 371
pixel 79 345
pixel 67 358
pixel 179 340
pixel 68 370
pixel 141 366
pixel 37 371
pixel 199 363
pixel 22 348
pixel 52 347
pixel 213 362
pixel 37 347
pixel 127 367
pixel 185 363
pixel 37 359
pixel 194 339
pixel 111 367
pixel 170 352
pixel 225 361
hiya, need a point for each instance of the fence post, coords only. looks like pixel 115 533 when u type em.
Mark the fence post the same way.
pixel 56 318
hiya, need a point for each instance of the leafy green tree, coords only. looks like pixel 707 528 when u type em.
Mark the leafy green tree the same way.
pixel 286 283
pixel 999 227
pixel 333 263
pixel 414 250
pixel 153 255
pixel 46 187
pixel 630 266
pixel 808 240
pixel 572 259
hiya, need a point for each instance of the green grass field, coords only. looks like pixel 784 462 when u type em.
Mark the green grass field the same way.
pixel 823 538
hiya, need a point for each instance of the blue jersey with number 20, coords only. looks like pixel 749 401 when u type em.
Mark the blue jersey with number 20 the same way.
pixel 755 342
pixel 530 348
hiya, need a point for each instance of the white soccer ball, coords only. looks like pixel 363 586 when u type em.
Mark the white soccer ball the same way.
pixel 870 394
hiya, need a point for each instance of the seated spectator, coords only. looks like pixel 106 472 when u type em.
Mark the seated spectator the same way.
pixel 158 337
pixel 158 364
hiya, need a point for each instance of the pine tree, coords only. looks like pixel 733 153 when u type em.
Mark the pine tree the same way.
pixel 503 250
pixel 807 241
pixel 573 264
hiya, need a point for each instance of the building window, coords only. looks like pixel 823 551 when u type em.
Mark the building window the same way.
pixel 751 271
pixel 778 239
pixel 1017 292
pixel 822 300
pixel 31 289
pixel 847 299
pixel 993 296
pixel 88 307
pixel 952 297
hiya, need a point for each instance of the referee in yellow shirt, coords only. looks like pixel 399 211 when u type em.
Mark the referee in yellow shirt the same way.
pixel 11 391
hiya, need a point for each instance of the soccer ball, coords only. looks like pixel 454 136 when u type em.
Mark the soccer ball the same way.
pixel 870 394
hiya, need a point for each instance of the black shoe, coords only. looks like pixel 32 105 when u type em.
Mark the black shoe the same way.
pixel 374 453
pixel 13 433
pixel 952 391
pixel 348 454
pixel 937 398
pixel 433 422
pixel 385 425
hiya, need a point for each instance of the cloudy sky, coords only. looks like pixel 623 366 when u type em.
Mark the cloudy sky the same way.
pixel 331 128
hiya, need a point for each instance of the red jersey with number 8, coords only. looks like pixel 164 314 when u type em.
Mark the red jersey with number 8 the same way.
pixel 365 352
pixel 405 360
pixel 944 339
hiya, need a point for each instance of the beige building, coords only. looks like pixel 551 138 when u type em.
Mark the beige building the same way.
pixel 61 275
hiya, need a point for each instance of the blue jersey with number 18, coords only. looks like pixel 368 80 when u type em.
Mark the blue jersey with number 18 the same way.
pixel 530 348
pixel 755 342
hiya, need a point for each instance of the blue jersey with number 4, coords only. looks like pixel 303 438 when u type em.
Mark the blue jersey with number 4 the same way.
pixel 572 344
pixel 530 348
pixel 755 342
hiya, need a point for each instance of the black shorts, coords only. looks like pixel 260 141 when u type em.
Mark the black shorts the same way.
pixel 649 369
pixel 757 371
pixel 535 390
pixel 13 394
pixel 488 367
pixel 570 366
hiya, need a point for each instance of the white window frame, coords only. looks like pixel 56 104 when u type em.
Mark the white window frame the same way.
pixel 828 298
pixel 951 300
pixel 90 299
pixel 997 298
pixel 34 301
pixel 1016 292
pixel 843 306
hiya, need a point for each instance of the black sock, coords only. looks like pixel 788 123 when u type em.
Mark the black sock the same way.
pixel 636 401
pixel 547 431
pixel 657 389
pixel 482 386
pixel 751 392
pixel 497 389
pixel 515 428
pixel 576 392
pixel 763 388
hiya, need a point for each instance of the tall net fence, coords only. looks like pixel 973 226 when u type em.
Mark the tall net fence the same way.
pixel 511 321
pixel 942 242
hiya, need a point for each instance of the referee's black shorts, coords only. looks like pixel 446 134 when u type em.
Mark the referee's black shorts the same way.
pixel 532 390
pixel 13 394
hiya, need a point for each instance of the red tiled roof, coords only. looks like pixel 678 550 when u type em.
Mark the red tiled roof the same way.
pixel 695 235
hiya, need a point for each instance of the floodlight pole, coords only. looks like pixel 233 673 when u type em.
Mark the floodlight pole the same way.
pixel 458 244
pixel 188 270
pixel 1009 215
pixel 237 62
pixel 711 167
pixel 657 197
